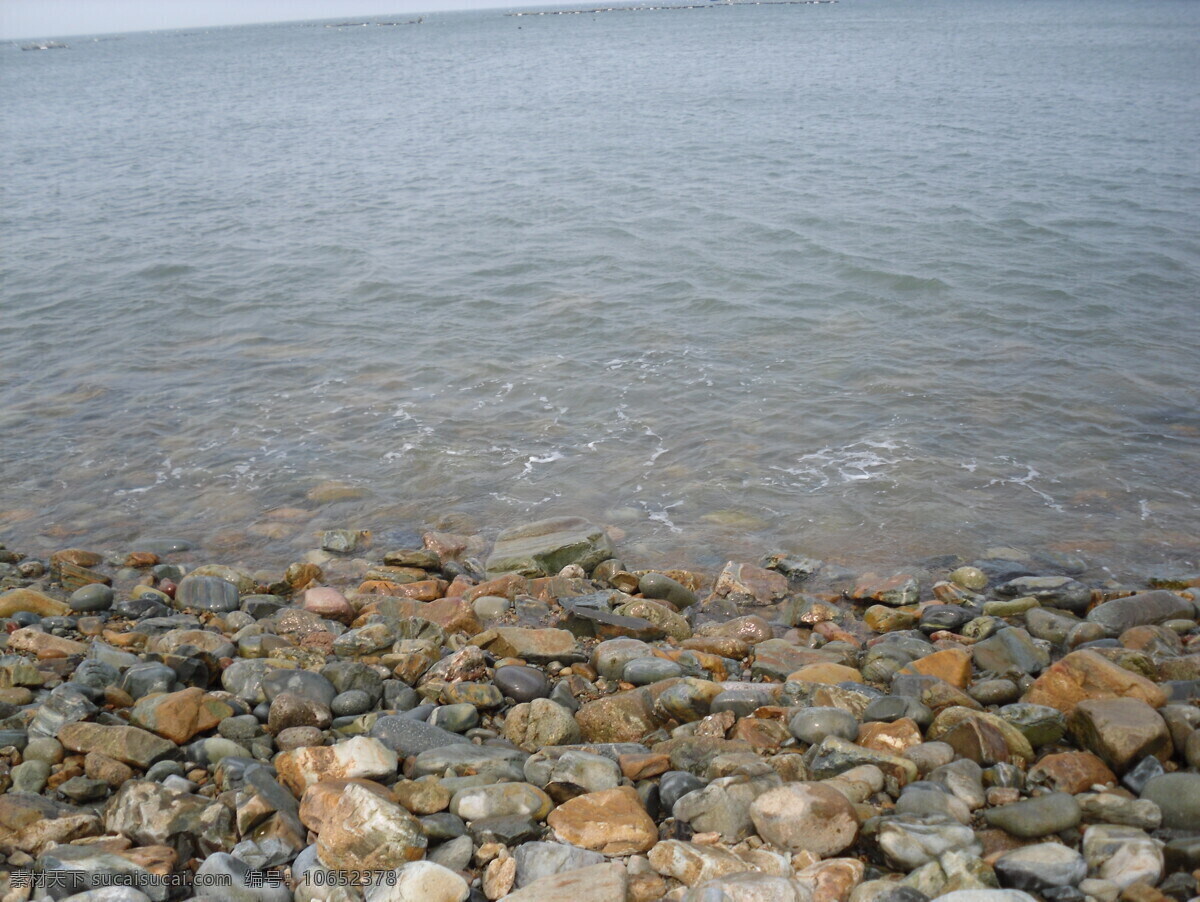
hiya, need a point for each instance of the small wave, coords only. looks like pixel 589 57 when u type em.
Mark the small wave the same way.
pixel 856 462
pixel 165 270
pixel 1031 473
pixel 544 459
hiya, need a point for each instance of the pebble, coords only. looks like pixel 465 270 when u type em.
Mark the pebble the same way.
pixel 1177 796
pixel 714 733
pixel 521 683
pixel 1041 867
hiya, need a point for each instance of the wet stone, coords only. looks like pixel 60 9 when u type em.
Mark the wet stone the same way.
pixel 1041 867
pixel 91 598
pixel 1037 817
pixel 207 593
pixel 350 703
pixel 521 683
pixel 457 718
pixel 643 671
pixel 811 725
pixel 1178 796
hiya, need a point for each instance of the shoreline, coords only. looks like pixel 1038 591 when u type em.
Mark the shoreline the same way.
pixel 533 717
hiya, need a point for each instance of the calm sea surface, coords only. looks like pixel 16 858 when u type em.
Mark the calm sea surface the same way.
pixel 873 281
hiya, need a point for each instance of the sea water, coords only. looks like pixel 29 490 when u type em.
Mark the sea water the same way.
pixel 873 280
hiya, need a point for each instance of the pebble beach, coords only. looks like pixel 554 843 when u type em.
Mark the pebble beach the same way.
pixel 527 715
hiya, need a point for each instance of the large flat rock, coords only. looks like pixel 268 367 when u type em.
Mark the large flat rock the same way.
pixel 545 547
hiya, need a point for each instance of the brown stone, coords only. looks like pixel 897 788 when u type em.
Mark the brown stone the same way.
pixel 364 831
pixel 36 837
pixel 1121 731
pixel 725 646
pixel 1085 675
pixel 422 796
pixel 892 738
pixel 76 556
pixel 179 716
pixel 611 821
pixel 1071 772
pixel 110 770
pixel 950 718
pixel 997 842
pixel 418 590
pixel 319 800
pixel 508 586
pixel 32 601
pixel 44 645
pixel 158 860
pixel 641 766
pixel 833 880
pixel 977 740
pixel 301 575
pixel 828 673
pixel 624 717
pixel 131 745
pixel 748 584
pixel 897 590
pixel 952 665
pixel 499 876
pixel 538 646
pixel 360 756
pixel 141 560
pixel 328 604
pixel 883 619
pixel 764 735
pixel 73 577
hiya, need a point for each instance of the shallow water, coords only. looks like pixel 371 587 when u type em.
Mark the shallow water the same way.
pixel 871 280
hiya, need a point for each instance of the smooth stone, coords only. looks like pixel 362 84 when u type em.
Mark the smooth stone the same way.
pixel 749 886
pixel 94 597
pixel 811 725
pixel 1178 795
pixel 1137 610
pixel 407 736
pixel 1124 855
pixel 501 800
pixel 1041 867
pixel 521 683
pixel 674 785
pixel 426 881
pixel 304 683
pixel 495 763
pixel 1036 817
pixel 543 548
pixel 207 593
pixel 910 842
pixel 644 671
pixel 536 860
pixel 456 718
pixel 454 854
pixel 595 883
pixel 1053 591
pixel 657 585
pixel 932 803
pixel 491 607
pixel 805 816
pixel 30 776
pixel 228 879
pixel 350 703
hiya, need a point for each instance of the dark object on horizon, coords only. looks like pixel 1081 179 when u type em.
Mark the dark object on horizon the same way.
pixel 45 45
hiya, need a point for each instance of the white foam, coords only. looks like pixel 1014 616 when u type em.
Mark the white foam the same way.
pixel 546 459
pixel 1031 473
